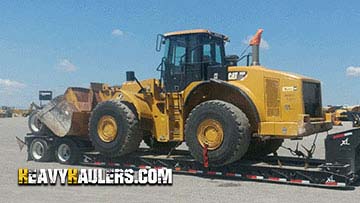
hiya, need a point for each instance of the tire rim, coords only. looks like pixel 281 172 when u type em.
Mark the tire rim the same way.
pixel 64 152
pixel 35 123
pixel 210 134
pixel 38 150
pixel 107 128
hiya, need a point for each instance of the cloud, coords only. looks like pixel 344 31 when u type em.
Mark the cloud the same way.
pixel 263 44
pixel 66 65
pixel 9 84
pixel 117 32
pixel 353 71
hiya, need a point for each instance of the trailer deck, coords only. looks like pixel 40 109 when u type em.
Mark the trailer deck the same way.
pixel 286 170
pixel 340 169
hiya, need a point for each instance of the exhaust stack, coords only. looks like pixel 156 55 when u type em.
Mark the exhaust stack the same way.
pixel 255 43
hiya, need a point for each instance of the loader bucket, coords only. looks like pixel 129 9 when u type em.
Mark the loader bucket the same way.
pixel 56 115
pixel 68 114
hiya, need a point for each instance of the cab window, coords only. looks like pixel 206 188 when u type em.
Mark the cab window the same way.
pixel 218 53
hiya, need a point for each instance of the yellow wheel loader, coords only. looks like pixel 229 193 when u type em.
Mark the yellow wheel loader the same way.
pixel 202 98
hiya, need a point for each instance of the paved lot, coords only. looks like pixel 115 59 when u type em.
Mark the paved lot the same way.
pixel 184 189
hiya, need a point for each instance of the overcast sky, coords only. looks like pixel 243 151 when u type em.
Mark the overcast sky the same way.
pixel 53 45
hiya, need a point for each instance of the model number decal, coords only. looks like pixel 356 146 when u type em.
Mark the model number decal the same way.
pixel 289 89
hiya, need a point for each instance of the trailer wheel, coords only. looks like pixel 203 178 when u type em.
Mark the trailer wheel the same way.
pixel 67 152
pixel 114 129
pixel 162 147
pixel 261 148
pixel 40 151
pixel 220 126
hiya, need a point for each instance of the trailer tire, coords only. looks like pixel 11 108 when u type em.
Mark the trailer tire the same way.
pixel 234 130
pixel 40 150
pixel 67 152
pixel 124 135
pixel 261 148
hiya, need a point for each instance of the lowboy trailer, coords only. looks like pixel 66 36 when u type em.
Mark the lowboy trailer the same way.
pixel 339 170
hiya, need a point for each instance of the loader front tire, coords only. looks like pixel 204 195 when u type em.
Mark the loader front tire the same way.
pixel 114 129
pixel 222 128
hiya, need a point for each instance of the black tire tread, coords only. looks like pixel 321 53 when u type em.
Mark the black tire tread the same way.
pixel 75 152
pixel 48 151
pixel 43 128
pixel 159 146
pixel 242 128
pixel 133 136
pixel 259 148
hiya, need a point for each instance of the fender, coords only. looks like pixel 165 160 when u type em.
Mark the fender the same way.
pixel 227 85
pixel 140 104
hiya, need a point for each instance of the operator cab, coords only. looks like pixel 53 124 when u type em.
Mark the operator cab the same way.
pixel 192 55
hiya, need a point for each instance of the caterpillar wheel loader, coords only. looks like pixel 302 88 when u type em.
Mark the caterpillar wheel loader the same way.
pixel 202 98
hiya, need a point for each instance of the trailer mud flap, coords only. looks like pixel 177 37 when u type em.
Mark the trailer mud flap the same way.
pixel 344 149
pixel 20 143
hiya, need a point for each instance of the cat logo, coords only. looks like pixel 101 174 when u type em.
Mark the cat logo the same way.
pixel 239 75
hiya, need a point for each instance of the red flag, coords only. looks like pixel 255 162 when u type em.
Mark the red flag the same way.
pixel 257 38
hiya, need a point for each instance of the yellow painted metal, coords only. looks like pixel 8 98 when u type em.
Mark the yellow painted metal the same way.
pixel 341 114
pixel 80 98
pixel 107 128
pixel 195 31
pixel 277 96
pixel 156 106
pixel 278 99
pixel 210 134
pixel 173 109
pixel 184 32
pixel 289 103
pixel 329 117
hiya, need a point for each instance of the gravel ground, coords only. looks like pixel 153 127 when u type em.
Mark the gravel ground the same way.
pixel 184 188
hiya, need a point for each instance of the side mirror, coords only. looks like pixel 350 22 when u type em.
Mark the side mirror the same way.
pixel 231 60
pixel 130 76
pixel 159 42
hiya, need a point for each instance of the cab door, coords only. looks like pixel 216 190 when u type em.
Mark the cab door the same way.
pixel 175 65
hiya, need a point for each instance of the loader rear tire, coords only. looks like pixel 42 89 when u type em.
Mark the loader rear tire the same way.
pixel 261 148
pixel 219 119
pixel 114 129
